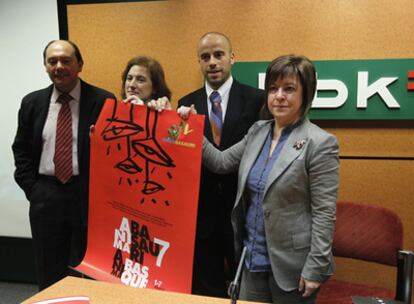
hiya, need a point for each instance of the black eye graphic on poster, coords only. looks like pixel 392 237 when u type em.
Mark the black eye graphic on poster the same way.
pixel 141 144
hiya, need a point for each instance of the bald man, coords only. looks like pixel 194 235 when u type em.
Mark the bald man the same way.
pixel 239 106
pixel 58 196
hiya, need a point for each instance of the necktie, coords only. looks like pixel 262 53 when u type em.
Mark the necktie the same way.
pixel 63 146
pixel 216 116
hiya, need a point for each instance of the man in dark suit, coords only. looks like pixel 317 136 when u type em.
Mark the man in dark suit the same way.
pixel 239 109
pixel 51 152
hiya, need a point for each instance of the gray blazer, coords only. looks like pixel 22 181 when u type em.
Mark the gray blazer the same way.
pixel 299 202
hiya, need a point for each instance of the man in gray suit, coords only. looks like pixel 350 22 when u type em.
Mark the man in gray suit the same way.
pixel 53 169
pixel 239 105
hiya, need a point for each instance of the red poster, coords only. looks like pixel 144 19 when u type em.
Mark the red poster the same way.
pixel 144 183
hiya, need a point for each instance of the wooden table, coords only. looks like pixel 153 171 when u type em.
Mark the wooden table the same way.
pixel 102 292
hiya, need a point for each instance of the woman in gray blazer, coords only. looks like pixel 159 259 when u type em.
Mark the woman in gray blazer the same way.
pixel 285 206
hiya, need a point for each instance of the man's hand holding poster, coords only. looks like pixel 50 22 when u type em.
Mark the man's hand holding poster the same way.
pixel 144 183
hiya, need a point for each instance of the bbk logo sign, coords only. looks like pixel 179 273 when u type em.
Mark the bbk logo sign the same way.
pixel 352 89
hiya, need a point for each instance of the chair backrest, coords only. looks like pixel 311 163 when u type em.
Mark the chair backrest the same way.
pixel 367 232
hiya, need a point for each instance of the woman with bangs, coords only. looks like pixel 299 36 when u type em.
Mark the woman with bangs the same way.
pixel 288 169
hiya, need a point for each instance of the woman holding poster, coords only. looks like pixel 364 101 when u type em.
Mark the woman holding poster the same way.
pixel 143 82
pixel 285 207
pixel 141 228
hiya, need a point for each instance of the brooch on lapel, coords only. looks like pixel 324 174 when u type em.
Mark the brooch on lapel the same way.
pixel 299 144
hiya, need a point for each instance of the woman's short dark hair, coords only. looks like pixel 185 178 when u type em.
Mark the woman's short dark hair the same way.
pixel 159 85
pixel 291 65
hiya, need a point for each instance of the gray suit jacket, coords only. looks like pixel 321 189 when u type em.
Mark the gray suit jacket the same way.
pixel 299 202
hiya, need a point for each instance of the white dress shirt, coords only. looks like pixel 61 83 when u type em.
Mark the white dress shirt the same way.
pixel 47 166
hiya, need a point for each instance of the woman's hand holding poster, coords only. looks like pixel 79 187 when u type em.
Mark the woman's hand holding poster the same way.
pixel 144 183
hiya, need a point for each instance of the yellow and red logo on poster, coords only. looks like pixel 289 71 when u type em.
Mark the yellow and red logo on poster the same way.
pixel 144 183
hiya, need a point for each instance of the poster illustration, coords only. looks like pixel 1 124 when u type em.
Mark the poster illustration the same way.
pixel 144 183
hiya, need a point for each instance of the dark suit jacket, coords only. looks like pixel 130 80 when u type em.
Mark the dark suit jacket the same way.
pixel 218 192
pixel 27 145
